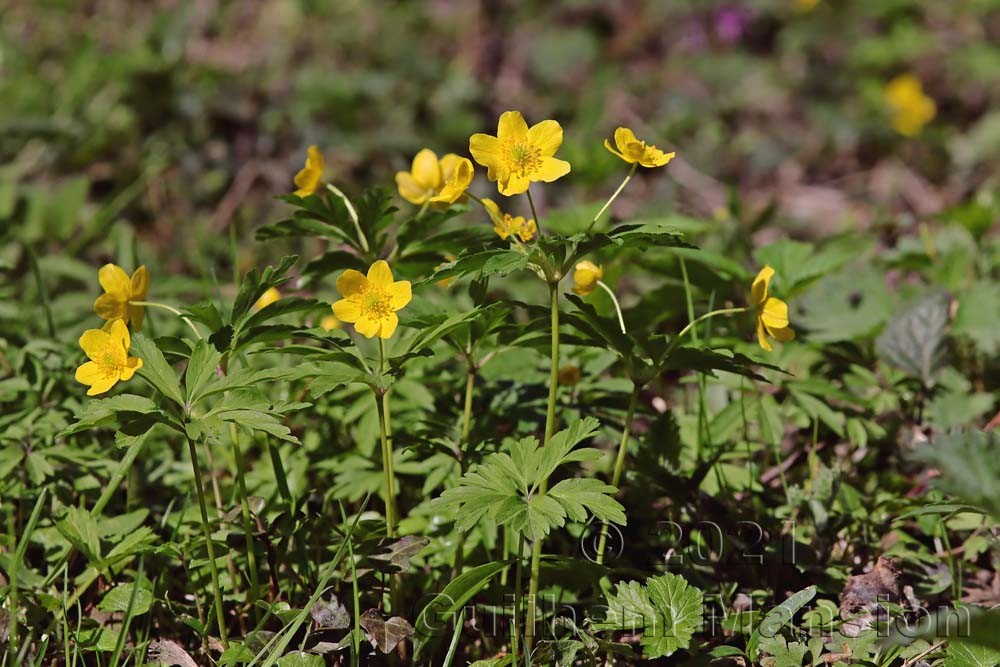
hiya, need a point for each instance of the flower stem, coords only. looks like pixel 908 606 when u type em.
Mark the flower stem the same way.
pixel 353 213
pixel 607 204
pixel 534 216
pixel 241 469
pixel 387 468
pixel 619 465
pixel 220 613
pixel 154 304
pixel 691 324
pixel 515 634
pixel 614 300
pixel 550 427
pixel 470 385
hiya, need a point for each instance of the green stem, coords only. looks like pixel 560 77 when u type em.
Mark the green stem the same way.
pixel 241 469
pixel 154 304
pixel 619 465
pixel 353 213
pixel 550 427
pixel 515 635
pixel 691 324
pixel 614 300
pixel 534 216
pixel 613 197
pixel 220 613
pixel 387 467
pixel 470 384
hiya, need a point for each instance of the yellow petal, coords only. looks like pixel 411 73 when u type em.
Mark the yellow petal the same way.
pixel 132 364
pixel 388 325
pixel 624 137
pixel 784 335
pixel 269 296
pixel 110 306
pixel 492 208
pixel 347 310
pixel 528 230
pixel 456 185
pixel 89 373
pixel 367 327
pixel 448 164
pixel 140 284
pixel 654 157
pixel 380 275
pixel 114 280
pixel 95 343
pixel 308 178
pixel 400 294
pixel 762 336
pixel 515 185
pixel 546 136
pixel 607 144
pixel 119 336
pixel 758 291
pixel 511 125
pixel 551 169
pixel 329 323
pixel 774 314
pixel 97 377
pixel 409 189
pixel 426 171
pixel 486 151
pixel 352 282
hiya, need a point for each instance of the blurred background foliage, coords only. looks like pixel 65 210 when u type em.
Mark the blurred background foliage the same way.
pixel 176 119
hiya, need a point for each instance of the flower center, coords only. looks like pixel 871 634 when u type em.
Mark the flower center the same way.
pixel 522 158
pixel 375 304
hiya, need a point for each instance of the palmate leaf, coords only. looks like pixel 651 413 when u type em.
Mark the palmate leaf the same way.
pixel 155 369
pixel 668 611
pixel 705 360
pixel 504 488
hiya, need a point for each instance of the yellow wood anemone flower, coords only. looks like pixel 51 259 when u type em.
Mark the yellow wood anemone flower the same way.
pixel 120 292
pixel 438 182
pixel 772 313
pixel 506 225
pixel 308 179
pixel 267 298
pixel 585 277
pixel 911 109
pixel 370 303
pixel 456 177
pixel 109 360
pixel 634 151
pixel 517 156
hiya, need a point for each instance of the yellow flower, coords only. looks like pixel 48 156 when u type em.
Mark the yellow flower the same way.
pixel 267 298
pixel 911 109
pixel 308 178
pixel 440 182
pixel 456 175
pixel 371 302
pixel 505 225
pixel 329 323
pixel 772 313
pixel 120 292
pixel 569 375
pixel 109 360
pixel 805 6
pixel 517 156
pixel 634 151
pixel 585 277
